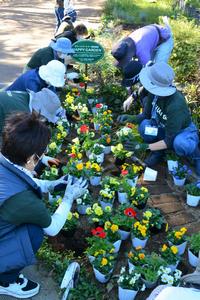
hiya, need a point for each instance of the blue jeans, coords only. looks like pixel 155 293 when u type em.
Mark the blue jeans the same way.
pixel 184 144
pixel 36 235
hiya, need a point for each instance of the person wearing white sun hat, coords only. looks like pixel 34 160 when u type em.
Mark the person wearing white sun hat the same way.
pixel 166 120
pixel 49 76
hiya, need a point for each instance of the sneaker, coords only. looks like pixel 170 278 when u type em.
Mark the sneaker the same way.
pixel 154 158
pixel 22 288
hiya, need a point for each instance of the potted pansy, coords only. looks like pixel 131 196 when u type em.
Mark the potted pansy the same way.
pixel 53 148
pixel 131 172
pixel 50 173
pixel 107 118
pixel 74 152
pixel 83 111
pixel 105 129
pixel 120 154
pixel 87 145
pixel 194 249
pixel 193 194
pixel 97 153
pixel 69 104
pixel 97 215
pixel 74 168
pixel 97 120
pixel 123 191
pixel 156 220
pixel 136 257
pixel 103 267
pixel 150 270
pixel 98 246
pixel 84 202
pixel 139 196
pixel 94 171
pixel 124 134
pixel 170 255
pixel 107 197
pixel 106 142
pixel 59 134
pixel 71 224
pixel 140 233
pixel 178 238
pixel 180 174
pixel 110 182
pixel 168 277
pixel 113 235
pixel 124 217
pixel 129 284
pixel 172 160
pixel 83 132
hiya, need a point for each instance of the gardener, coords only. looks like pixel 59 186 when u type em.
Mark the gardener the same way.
pixel 166 120
pixel 59 12
pixel 79 32
pixel 49 76
pixel 151 42
pixel 24 218
pixel 58 50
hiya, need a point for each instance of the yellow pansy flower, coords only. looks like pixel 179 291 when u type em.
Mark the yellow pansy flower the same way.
pixel 130 254
pixel 164 248
pixel 52 146
pixel 89 211
pixel 69 216
pixel 98 211
pixel 148 214
pixel 114 228
pixel 79 166
pixel 174 249
pixel 141 255
pixel 79 155
pixel 104 261
pixel 107 225
pixel 183 230
pixel 76 215
pixel 88 165
pixel 178 235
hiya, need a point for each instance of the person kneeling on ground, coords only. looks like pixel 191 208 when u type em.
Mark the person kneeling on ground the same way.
pixel 78 33
pixel 50 76
pixel 24 218
pixel 166 120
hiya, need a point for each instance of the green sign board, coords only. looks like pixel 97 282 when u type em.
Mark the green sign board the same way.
pixel 87 52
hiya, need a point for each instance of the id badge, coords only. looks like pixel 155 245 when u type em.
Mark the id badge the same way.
pixel 150 130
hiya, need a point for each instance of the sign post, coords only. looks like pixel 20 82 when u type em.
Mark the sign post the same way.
pixel 87 52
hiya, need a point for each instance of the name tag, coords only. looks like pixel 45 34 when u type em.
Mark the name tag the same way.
pixel 150 130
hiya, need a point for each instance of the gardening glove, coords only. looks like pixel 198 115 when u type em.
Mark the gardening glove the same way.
pixel 75 190
pixel 127 103
pixel 126 119
pixel 49 161
pixel 70 279
pixel 134 146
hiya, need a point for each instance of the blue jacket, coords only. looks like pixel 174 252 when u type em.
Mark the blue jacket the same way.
pixel 59 13
pixel 15 245
pixel 29 80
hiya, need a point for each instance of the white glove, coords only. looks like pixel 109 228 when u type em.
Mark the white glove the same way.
pixel 72 75
pixel 165 20
pixel 127 103
pixel 61 180
pixel 48 159
pixel 75 190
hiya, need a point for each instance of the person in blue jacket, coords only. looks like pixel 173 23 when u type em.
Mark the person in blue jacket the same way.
pixel 59 12
pixel 49 76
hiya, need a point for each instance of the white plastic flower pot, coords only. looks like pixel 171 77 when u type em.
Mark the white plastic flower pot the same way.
pixel 117 245
pixel 98 157
pixel 193 259
pixel 173 267
pixel 101 277
pixel 82 209
pixel 125 294
pixel 149 284
pixel 181 248
pixel 95 180
pixel 132 182
pixel 91 258
pixel 88 154
pixel 130 266
pixel 107 149
pixel 179 182
pixel 104 204
pixel 172 164
pixel 96 126
pixel 193 200
pixel 138 242
pixel 124 234
pixel 122 198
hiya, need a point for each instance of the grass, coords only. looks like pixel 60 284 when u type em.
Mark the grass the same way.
pixel 137 11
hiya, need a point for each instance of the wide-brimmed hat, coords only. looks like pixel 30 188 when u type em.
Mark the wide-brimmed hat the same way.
pixel 46 103
pixel 123 52
pixel 63 45
pixel 158 79
pixel 131 73
pixel 54 73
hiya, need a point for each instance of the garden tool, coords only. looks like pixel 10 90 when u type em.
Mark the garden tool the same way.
pixel 70 279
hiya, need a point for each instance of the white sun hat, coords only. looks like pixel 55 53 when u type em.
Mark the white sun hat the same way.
pixel 158 79
pixel 53 73
pixel 46 103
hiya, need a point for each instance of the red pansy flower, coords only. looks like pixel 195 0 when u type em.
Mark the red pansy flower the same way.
pixel 130 212
pixel 99 105
pixel 84 129
pixel 82 84
pixel 99 231
pixel 124 172
pixel 72 155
